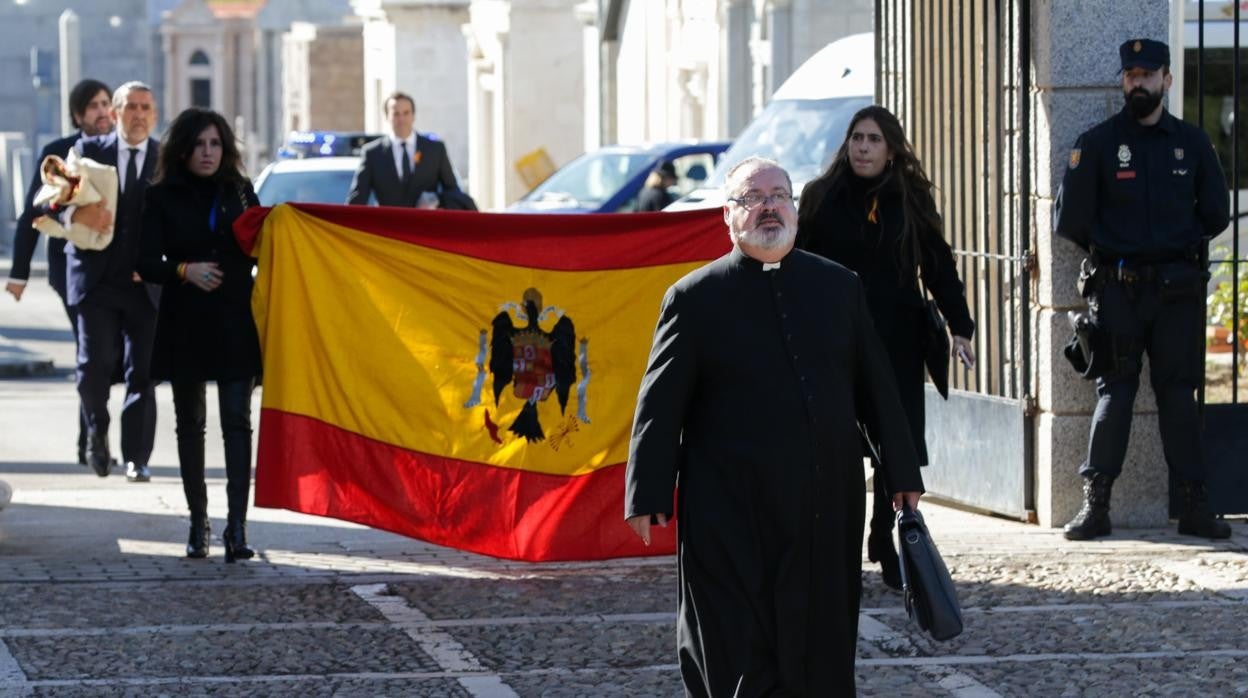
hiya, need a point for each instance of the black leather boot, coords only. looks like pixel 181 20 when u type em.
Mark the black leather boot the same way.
pixel 1092 521
pixel 197 542
pixel 235 539
pixel 1196 519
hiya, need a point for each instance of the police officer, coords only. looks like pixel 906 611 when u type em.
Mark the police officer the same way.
pixel 1143 194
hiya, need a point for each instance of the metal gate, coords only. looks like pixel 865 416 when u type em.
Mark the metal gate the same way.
pixel 1212 82
pixel 956 73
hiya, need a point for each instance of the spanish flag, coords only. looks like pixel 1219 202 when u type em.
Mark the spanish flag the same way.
pixel 467 379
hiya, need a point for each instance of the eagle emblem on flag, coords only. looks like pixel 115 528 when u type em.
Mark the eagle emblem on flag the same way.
pixel 534 361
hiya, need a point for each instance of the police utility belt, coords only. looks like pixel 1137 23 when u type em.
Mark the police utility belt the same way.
pixel 1092 350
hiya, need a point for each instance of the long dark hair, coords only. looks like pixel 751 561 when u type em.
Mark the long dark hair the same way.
pixel 904 172
pixel 179 143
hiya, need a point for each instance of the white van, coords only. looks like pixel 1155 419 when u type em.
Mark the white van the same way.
pixel 804 124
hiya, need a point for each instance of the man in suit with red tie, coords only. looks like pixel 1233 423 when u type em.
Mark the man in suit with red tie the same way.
pixel 90 105
pixel 111 299
pixel 400 167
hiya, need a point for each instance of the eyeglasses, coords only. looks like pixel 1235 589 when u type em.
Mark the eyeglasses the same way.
pixel 753 200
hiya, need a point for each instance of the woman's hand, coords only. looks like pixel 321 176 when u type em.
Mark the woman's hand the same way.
pixel 963 349
pixel 205 276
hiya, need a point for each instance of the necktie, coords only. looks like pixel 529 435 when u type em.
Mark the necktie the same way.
pixel 407 162
pixel 132 171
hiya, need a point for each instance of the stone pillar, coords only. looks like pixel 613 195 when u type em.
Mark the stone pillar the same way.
pixel 591 59
pixel 781 22
pixel 1075 85
pixel 736 79
pixel 70 64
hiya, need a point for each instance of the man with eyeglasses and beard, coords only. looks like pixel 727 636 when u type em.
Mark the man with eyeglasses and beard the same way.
pixel 1143 195
pixel 763 366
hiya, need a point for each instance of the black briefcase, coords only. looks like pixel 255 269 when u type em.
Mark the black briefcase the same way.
pixel 931 598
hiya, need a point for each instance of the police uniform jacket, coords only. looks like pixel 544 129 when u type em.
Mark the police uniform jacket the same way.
pixel 1143 194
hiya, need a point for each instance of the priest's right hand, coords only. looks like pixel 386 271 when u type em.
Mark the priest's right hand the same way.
pixel 641 525
pixel 95 216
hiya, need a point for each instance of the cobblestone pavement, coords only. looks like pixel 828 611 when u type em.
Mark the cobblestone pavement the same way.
pixel 96 600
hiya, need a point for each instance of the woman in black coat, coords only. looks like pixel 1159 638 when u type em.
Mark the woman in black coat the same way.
pixel 205 330
pixel 873 212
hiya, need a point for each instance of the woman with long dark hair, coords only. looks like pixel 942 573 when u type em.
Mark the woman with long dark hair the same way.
pixel 205 330
pixel 873 211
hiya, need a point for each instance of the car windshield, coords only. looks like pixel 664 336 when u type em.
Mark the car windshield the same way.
pixel 802 135
pixel 313 186
pixel 591 179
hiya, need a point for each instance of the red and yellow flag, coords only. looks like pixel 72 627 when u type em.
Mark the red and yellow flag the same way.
pixel 467 379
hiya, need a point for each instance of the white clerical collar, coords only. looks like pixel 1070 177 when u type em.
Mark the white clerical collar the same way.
pixel 768 266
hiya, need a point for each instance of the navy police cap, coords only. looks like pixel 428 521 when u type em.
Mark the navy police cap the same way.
pixel 1144 53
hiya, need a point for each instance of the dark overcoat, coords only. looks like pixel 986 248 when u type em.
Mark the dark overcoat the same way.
pixel 842 233
pixel 200 336
pixel 750 409
pixel 377 176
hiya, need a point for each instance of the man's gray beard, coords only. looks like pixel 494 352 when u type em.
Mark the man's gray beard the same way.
pixel 766 240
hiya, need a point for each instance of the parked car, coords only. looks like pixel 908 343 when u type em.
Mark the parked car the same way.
pixel 318 144
pixel 609 179
pixel 320 180
pixel 805 123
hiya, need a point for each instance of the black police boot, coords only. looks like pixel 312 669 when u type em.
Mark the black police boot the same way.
pixel 1092 521
pixel 1196 519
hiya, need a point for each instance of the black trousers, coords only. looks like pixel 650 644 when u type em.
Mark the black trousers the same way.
pixel 56 279
pixel 190 411
pixel 1140 318
pixel 105 315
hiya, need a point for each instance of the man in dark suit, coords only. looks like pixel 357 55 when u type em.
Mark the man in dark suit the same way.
pixel 90 107
pixel 111 298
pixel 400 167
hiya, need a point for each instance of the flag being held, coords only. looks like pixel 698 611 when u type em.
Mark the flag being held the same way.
pixel 461 378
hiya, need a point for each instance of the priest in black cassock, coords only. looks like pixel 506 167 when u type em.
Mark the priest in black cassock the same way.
pixel 764 366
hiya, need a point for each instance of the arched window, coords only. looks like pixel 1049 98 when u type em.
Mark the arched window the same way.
pixel 199 72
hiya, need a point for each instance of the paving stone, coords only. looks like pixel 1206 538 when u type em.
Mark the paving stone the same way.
pixel 1087 630
pixel 616 645
pixel 217 653
pixel 90 606
pixel 1187 676
pixel 635 590
pixel 601 684
pixel 900 681
pixel 328 687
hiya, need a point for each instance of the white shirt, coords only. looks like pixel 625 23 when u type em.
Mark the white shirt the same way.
pixel 396 150
pixel 123 160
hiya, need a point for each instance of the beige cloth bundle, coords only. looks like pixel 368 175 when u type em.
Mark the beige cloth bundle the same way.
pixel 76 181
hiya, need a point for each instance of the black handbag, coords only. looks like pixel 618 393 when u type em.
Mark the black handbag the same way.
pixel 931 598
pixel 936 347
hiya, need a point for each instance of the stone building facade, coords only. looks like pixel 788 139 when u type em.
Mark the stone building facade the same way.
pixel 418 47
pixel 323 77
pixel 525 91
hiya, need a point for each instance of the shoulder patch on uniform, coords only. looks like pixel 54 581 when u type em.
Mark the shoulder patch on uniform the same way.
pixel 1075 153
